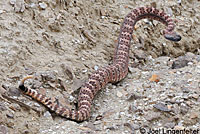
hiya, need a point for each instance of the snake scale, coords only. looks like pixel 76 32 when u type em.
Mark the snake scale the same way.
pixel 111 73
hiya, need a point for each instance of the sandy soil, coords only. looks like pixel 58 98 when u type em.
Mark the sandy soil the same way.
pixel 62 42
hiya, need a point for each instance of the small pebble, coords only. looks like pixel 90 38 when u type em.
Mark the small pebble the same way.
pixel 43 5
pixel 184 109
pixel 96 68
pixel 32 5
pixel 179 1
pixel 2 11
pixel 10 115
pixel 83 59
pixel 12 2
pixel 155 78
pixel 84 70
pixel 190 63
pixel 161 107
pixel 36 104
pixel 47 114
pixel 71 98
pixel 13 91
pixel 198 69
pixel 169 11
pixel 119 94
pixel 2 106
pixel 196 96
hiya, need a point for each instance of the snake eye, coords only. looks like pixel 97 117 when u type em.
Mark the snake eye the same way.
pixel 173 37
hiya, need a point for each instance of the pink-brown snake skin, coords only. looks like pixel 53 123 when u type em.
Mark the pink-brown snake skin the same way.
pixel 111 73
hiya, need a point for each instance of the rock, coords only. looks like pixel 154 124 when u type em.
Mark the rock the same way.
pixel 169 11
pixel 19 5
pixel 36 104
pixel 195 96
pixel 32 5
pixel 133 70
pixel 43 5
pixel 179 1
pixel 176 109
pixel 96 68
pixel 12 2
pixel 56 27
pixel 2 11
pixel 99 117
pixel 162 107
pixel 179 63
pixel 119 94
pixel 49 76
pixel 13 92
pixel 84 70
pixel 183 61
pixel 10 124
pixel 26 132
pixel 47 114
pixel 10 115
pixel 112 128
pixel 155 78
pixel 184 109
pixel 198 56
pixel 2 106
pixel 198 68
pixel 77 83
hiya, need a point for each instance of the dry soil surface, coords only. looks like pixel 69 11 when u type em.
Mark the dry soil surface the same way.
pixel 61 42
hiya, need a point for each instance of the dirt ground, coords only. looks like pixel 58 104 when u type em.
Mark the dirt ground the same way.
pixel 61 42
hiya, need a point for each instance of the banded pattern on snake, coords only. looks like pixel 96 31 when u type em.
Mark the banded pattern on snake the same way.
pixel 111 73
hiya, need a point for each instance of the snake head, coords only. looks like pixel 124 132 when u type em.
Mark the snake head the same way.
pixel 172 36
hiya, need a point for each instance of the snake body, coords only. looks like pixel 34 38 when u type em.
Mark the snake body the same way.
pixel 111 73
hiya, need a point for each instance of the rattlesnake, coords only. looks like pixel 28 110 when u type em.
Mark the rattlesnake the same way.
pixel 111 73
